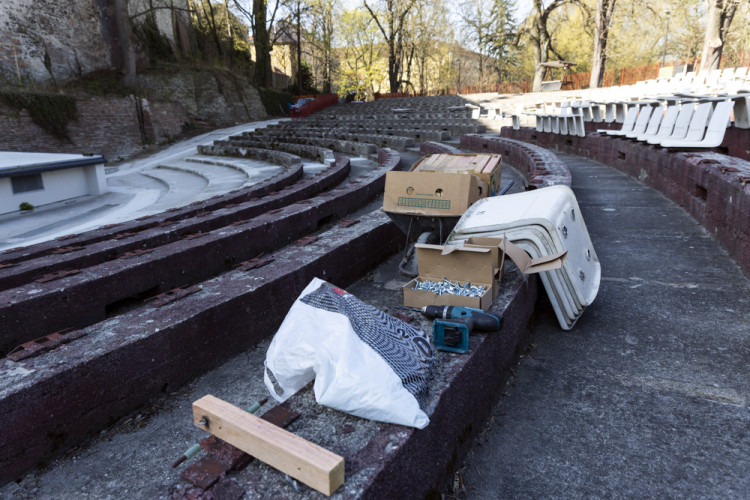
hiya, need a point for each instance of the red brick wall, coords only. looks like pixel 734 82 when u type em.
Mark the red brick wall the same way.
pixel 107 126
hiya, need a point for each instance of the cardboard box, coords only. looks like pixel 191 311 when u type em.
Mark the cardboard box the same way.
pixel 432 194
pixel 485 166
pixel 461 264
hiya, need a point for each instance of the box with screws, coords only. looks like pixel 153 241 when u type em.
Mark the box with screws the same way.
pixel 452 276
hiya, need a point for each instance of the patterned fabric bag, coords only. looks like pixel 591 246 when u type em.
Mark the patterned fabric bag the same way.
pixel 364 361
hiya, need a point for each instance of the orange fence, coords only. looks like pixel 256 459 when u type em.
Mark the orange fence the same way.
pixel 577 81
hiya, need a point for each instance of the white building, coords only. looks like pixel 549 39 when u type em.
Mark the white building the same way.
pixel 44 178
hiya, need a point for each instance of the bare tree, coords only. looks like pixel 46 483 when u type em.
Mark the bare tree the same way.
pixel 322 17
pixel 720 16
pixel 538 33
pixel 391 21
pixel 478 23
pixel 260 22
pixel 604 11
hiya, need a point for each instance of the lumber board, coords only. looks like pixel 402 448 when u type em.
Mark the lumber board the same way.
pixel 307 462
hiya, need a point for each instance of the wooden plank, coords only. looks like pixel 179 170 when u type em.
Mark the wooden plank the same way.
pixel 305 461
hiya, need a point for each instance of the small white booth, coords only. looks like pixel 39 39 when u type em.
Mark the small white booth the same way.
pixel 44 178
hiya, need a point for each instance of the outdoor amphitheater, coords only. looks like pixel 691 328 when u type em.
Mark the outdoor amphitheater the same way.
pixel 115 321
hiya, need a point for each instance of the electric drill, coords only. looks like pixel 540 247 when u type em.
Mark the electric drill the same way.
pixel 453 324
pixel 480 321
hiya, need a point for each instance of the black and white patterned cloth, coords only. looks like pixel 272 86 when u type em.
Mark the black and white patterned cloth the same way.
pixel 407 351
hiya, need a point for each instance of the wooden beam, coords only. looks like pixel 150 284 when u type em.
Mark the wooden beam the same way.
pixel 305 461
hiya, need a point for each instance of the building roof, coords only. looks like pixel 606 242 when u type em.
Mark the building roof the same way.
pixel 13 163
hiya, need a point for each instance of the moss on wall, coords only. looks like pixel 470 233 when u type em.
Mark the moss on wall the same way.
pixel 51 112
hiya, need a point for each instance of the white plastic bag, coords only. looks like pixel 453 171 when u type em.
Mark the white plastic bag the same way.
pixel 364 362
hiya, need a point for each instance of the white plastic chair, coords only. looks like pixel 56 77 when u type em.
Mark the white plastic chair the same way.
pixel 714 133
pixel 644 117
pixel 667 122
pixel 741 105
pixel 681 124
pixel 627 124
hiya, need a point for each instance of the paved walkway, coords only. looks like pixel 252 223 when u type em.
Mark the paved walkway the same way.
pixel 649 395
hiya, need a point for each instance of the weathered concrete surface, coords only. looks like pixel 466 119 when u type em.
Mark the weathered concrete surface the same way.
pixel 53 401
pixel 649 395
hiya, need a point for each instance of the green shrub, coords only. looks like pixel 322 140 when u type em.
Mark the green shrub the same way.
pixel 26 206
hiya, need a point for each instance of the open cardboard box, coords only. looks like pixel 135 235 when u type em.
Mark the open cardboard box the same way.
pixel 461 264
pixel 480 261
pixel 431 193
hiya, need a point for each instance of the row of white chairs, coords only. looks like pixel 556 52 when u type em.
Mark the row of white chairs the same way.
pixel 684 121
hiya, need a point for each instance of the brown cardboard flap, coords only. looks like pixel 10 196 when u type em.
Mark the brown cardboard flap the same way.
pixel 457 264
pixel 527 265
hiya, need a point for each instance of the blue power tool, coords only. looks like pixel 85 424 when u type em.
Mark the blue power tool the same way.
pixel 453 324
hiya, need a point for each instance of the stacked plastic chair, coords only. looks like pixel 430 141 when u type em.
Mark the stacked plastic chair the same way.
pixel 542 222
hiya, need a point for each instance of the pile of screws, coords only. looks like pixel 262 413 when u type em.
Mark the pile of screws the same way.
pixel 452 287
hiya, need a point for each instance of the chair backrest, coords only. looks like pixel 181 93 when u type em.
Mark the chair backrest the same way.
pixel 668 121
pixel 653 124
pixel 717 126
pixel 698 122
pixel 630 119
pixel 683 121
pixel 644 115
pixel 741 116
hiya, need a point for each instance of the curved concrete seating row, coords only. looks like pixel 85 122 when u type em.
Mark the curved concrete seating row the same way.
pixel 311 152
pixel 540 166
pixel 432 148
pixel 36 309
pixel 383 120
pixel 465 114
pixel 269 155
pixel 711 186
pixel 289 176
pixel 55 401
pixel 390 141
pixel 146 238
pixel 338 145
pixel 454 126
pixel 203 160
pixel 181 186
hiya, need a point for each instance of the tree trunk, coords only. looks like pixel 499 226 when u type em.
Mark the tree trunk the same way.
pixel 541 39
pixel 127 62
pixel 262 43
pixel 395 14
pixel 540 56
pixel 720 15
pixel 604 10
pixel 214 29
